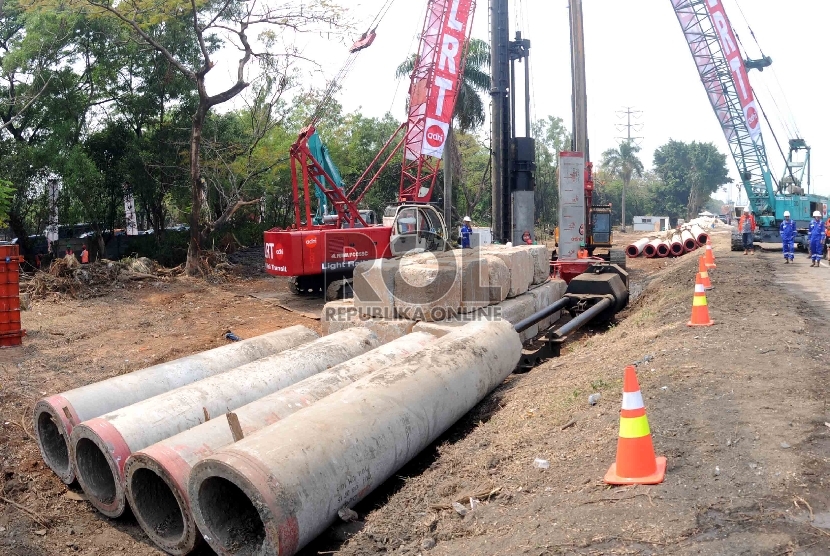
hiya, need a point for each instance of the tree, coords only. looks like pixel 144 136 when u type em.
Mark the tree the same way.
pixel 211 25
pixel 623 163
pixel 690 173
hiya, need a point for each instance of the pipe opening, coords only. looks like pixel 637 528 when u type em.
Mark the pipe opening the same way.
pixel 231 517
pixel 632 251
pixel 155 504
pixel 54 446
pixel 95 471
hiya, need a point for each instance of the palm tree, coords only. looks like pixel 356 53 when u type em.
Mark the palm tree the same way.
pixel 623 163
pixel 469 108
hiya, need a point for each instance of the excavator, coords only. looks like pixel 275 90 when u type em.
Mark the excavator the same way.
pixel 331 234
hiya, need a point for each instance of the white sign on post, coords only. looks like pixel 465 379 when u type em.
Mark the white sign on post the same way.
pixel 571 204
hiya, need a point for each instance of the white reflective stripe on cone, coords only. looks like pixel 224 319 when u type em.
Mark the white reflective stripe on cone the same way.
pixel 699 288
pixel 632 400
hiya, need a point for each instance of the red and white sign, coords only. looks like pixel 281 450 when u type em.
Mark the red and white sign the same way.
pixel 437 77
pixel 726 38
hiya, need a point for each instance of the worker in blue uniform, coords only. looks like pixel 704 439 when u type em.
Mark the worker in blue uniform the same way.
pixel 816 239
pixel 466 233
pixel 787 231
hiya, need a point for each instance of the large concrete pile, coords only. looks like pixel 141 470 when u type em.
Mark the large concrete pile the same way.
pixel 437 292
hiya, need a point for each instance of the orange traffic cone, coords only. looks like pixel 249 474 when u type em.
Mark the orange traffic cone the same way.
pixel 703 274
pixel 700 308
pixel 636 464
pixel 709 257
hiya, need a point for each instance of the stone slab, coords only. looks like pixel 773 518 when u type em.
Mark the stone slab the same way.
pixel 338 315
pixel 428 292
pixel 374 288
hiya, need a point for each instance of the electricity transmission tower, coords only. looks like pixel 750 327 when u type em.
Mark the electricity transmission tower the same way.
pixel 626 113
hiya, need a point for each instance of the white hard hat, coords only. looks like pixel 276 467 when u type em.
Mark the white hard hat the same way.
pixel 747 210
pixel 816 213
pixel 786 213
pixel 467 219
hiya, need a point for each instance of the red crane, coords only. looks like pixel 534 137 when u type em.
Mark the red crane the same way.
pixel 321 256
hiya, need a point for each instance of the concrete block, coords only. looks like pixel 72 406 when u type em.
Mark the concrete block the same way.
pixel 513 310
pixel 339 315
pixel 438 329
pixel 388 329
pixel 473 273
pixel 499 276
pixel 541 261
pixel 520 263
pixel 430 292
pixel 545 295
pixel 374 288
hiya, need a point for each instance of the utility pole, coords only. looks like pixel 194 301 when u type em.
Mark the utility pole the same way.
pixel 627 112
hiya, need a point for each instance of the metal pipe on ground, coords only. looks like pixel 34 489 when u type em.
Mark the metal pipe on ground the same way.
pixel 55 416
pixel 689 241
pixel 650 250
pixel 156 477
pixel 101 446
pixel 277 490
pixel 542 314
pixel 583 318
pixel 701 237
pixel 677 248
pixel 664 248
pixel 636 248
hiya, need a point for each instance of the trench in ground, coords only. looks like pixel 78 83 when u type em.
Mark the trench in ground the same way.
pixel 95 471
pixel 231 517
pixel 155 504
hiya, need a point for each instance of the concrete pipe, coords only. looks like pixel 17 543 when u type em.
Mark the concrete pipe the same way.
pixel 636 248
pixel 276 490
pixel 700 236
pixel 650 250
pixel 677 248
pixel 664 248
pixel 101 446
pixel 55 416
pixel 156 477
pixel 689 241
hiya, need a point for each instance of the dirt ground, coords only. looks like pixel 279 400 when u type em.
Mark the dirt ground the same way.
pixel 739 409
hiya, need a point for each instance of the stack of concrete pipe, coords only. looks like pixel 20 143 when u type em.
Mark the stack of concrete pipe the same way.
pixel 258 444
pixel 675 243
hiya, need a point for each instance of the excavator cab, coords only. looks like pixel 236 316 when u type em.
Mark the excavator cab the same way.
pixel 415 227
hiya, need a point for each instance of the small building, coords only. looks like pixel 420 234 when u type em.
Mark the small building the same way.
pixel 651 223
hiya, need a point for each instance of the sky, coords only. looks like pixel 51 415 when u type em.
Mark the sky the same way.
pixel 636 56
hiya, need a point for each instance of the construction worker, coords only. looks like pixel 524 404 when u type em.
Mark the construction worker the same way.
pixel 746 225
pixel 526 238
pixel 787 231
pixel 827 237
pixel 466 233
pixel 84 256
pixel 816 238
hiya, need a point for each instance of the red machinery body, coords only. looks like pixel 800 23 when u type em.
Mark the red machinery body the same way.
pixel 317 251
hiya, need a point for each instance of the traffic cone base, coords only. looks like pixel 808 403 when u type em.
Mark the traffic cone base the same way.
pixel 657 477
pixel 635 463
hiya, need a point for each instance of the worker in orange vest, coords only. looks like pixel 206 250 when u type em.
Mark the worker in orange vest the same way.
pixel 827 237
pixel 84 256
pixel 747 227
